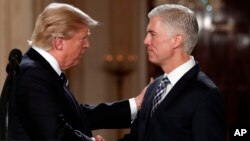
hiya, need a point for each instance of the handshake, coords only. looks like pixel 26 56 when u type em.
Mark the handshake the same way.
pixel 98 138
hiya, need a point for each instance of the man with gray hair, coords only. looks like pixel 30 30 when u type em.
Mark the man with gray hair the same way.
pixel 183 104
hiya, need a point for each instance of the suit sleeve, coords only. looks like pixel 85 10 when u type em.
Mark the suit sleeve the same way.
pixel 108 115
pixel 208 122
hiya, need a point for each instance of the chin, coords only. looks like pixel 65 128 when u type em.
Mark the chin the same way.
pixel 153 61
pixel 75 64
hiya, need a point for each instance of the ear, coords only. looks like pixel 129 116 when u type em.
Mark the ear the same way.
pixel 57 43
pixel 177 40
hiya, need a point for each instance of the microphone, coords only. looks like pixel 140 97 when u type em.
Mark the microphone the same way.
pixel 15 58
pixel 7 95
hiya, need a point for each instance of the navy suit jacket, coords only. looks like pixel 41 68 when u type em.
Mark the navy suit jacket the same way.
pixel 193 110
pixel 42 110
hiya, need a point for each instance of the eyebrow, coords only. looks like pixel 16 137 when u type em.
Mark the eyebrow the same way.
pixel 86 35
pixel 151 31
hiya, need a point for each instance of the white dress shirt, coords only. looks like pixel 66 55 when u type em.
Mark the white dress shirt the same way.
pixel 175 75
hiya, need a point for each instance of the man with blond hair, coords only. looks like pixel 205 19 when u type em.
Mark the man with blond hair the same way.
pixel 43 106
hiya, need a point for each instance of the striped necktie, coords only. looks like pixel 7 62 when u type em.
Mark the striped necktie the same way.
pixel 161 89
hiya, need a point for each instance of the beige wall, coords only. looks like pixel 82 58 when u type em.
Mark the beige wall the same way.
pixel 15 28
pixel 122 29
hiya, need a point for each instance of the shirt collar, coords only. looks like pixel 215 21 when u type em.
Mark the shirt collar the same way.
pixel 177 73
pixel 49 58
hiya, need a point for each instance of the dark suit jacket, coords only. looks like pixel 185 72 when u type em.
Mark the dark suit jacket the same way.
pixel 192 111
pixel 42 110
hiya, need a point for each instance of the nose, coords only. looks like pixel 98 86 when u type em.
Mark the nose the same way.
pixel 146 40
pixel 86 44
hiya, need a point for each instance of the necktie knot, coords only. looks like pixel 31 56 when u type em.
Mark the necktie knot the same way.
pixel 165 81
pixel 64 79
pixel 163 84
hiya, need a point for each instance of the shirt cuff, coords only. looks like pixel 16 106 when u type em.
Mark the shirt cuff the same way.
pixel 133 108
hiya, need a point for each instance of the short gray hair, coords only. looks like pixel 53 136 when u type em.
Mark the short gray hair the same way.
pixel 180 19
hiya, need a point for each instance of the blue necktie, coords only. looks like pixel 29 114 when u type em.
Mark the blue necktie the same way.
pixel 68 93
pixel 64 79
pixel 73 101
pixel 161 89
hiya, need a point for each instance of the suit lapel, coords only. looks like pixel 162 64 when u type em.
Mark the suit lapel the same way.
pixel 65 96
pixel 174 92
pixel 34 55
pixel 147 102
pixel 146 106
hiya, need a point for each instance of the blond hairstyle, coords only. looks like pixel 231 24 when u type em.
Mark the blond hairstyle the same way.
pixel 58 20
pixel 179 19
